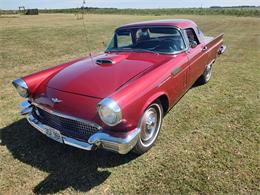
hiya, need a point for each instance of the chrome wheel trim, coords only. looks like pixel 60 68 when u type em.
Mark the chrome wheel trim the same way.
pixel 208 72
pixel 150 125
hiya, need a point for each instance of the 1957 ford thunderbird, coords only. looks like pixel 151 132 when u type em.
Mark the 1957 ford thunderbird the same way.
pixel 117 100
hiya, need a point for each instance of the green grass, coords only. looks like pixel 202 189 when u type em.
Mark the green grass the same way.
pixel 230 11
pixel 209 142
pixel 235 11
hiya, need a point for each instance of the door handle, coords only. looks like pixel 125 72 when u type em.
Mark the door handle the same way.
pixel 205 48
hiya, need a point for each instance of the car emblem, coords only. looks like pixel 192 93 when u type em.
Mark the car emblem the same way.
pixel 55 100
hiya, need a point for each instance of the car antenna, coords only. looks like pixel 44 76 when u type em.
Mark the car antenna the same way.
pixel 85 30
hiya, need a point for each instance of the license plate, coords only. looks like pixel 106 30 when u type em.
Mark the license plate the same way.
pixel 54 134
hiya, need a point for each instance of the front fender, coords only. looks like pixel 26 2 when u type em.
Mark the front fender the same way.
pixel 133 111
pixel 153 98
pixel 36 80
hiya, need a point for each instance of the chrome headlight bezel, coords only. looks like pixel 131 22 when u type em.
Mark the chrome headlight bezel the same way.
pixel 21 87
pixel 110 105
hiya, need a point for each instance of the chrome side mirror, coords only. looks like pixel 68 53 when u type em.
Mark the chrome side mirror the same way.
pixel 193 44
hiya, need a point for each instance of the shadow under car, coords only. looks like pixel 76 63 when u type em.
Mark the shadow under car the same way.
pixel 67 166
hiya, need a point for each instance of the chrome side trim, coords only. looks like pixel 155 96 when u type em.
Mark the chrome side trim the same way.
pixel 76 143
pixel 66 116
pixel 164 81
pixel 66 140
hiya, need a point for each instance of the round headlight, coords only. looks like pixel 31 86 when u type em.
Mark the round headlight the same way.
pixel 21 87
pixel 109 112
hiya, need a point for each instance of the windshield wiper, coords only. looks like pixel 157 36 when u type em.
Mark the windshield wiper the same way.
pixel 133 49
pixel 120 49
pixel 146 50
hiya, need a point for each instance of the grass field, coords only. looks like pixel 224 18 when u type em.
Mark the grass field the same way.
pixel 209 142
pixel 234 11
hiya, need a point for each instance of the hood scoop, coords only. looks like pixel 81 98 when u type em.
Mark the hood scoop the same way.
pixel 104 61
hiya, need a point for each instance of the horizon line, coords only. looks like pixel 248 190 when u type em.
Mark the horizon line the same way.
pixel 199 7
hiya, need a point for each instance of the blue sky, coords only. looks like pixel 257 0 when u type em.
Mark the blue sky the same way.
pixel 14 4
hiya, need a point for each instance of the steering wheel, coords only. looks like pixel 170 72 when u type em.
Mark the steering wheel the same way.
pixel 166 45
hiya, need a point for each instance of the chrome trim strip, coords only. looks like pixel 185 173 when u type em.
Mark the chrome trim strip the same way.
pixel 66 116
pixel 76 143
pixel 164 81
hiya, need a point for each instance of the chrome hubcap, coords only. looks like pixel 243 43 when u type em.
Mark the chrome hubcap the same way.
pixel 150 124
pixel 208 72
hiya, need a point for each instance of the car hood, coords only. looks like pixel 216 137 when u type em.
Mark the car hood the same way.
pixel 103 74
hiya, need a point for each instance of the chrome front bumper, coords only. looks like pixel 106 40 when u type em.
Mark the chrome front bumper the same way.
pixel 122 144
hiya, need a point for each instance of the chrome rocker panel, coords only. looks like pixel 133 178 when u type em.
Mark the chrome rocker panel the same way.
pixel 99 139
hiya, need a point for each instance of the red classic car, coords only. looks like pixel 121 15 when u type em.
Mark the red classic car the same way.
pixel 117 100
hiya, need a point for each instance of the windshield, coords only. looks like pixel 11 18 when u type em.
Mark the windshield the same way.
pixel 147 39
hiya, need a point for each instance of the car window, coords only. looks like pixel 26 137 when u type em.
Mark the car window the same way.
pixel 191 36
pixel 154 39
pixel 124 40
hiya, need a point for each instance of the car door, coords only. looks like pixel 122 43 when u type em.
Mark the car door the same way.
pixel 197 55
pixel 178 77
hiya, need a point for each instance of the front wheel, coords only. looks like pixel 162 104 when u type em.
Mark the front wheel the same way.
pixel 150 126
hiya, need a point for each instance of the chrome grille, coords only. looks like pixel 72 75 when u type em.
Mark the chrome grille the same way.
pixel 72 128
